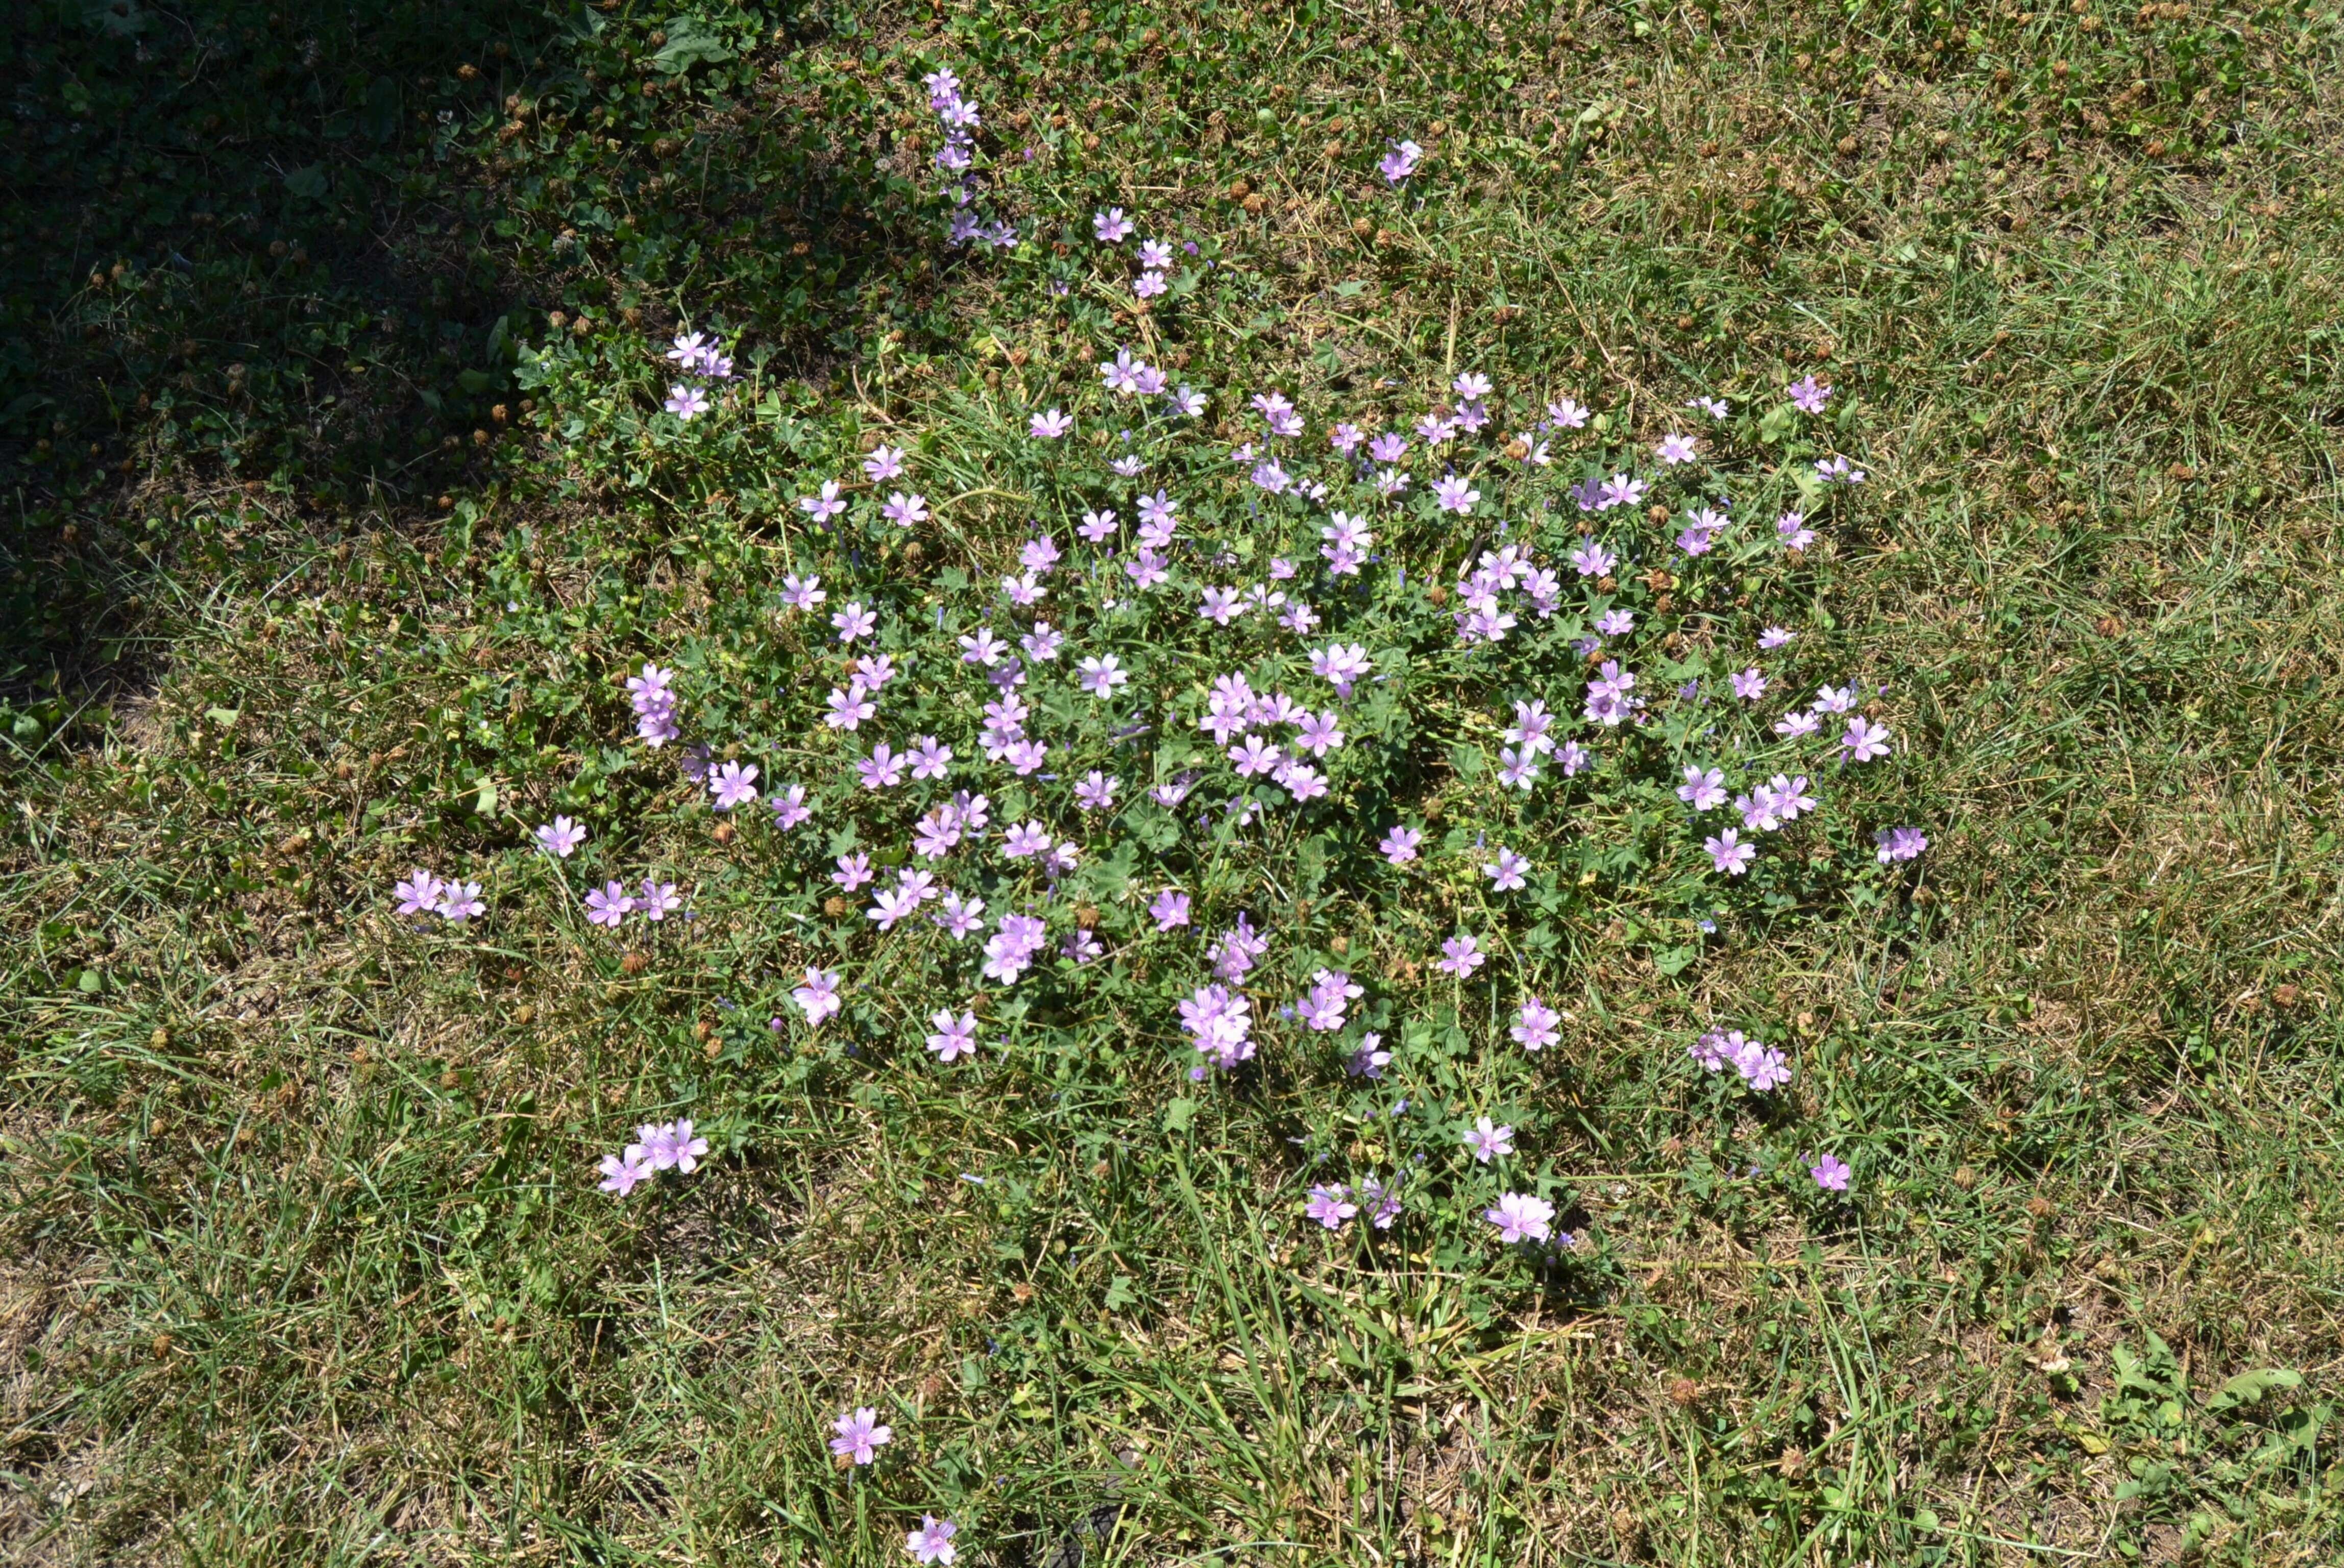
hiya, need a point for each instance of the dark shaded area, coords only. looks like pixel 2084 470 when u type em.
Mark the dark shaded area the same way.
pixel 295 250
pixel 210 280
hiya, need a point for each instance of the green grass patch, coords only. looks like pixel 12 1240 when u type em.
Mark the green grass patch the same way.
pixel 339 500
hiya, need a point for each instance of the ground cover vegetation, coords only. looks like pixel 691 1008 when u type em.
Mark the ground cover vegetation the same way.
pixel 1545 783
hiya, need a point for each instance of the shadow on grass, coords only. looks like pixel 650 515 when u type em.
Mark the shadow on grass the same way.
pixel 271 267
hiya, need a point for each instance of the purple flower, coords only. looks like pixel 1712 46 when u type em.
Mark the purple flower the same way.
pixel 818 999
pixel 1566 415
pixel 1370 1060
pixel 849 708
pixel 1009 951
pixel 1797 726
pixel 1830 1173
pixel 1761 1067
pixel 1398 845
pixel 620 1172
pixel 883 769
pixel 1675 449
pixel 1520 1217
pixel 560 838
pixel 1122 373
pixel 1728 854
pixel 1146 570
pixel 609 903
pixel 1460 956
pixel 1026 839
pixel 953 1037
pixel 1506 873
pixel 1864 741
pixel 1401 162
pixel 1792 529
pixel 853 621
pixel 1517 770
pixel 1900 843
pixel 686 403
pixel 959 915
pixel 859 1435
pixel 1219 1023
pixel 1536 1024
pixel 789 808
pixel 1591 560
pixel 929 757
pixel 1319 734
pixel 1101 676
pixel 931 1544
pixel 1169 909
pixel 904 510
pixel 1622 490
pixel 1254 756
pixel 1111 226
pixel 894 904
pixel 1716 1047
pixel 658 900
pixel 458 902
pixel 1049 426
pixel 1749 685
pixel 1381 1202
pixel 1809 395
pixel 1321 1008
pixel 1454 494
pixel 670 1146
pixel 1489 1142
pixel 1771 638
pixel 1704 789
pixel 822 507
pixel 1039 554
pixel 1331 1207
pixel 733 786
pixel 800 592
pixel 885 462
pixel 1791 797
pixel 419 894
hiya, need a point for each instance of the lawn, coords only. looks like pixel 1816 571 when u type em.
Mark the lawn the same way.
pixel 1535 783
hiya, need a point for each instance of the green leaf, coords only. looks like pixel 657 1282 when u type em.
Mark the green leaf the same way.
pixel 308 180
pixel 2248 1388
pixel 1178 1114
pixel 689 43
pixel 379 118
